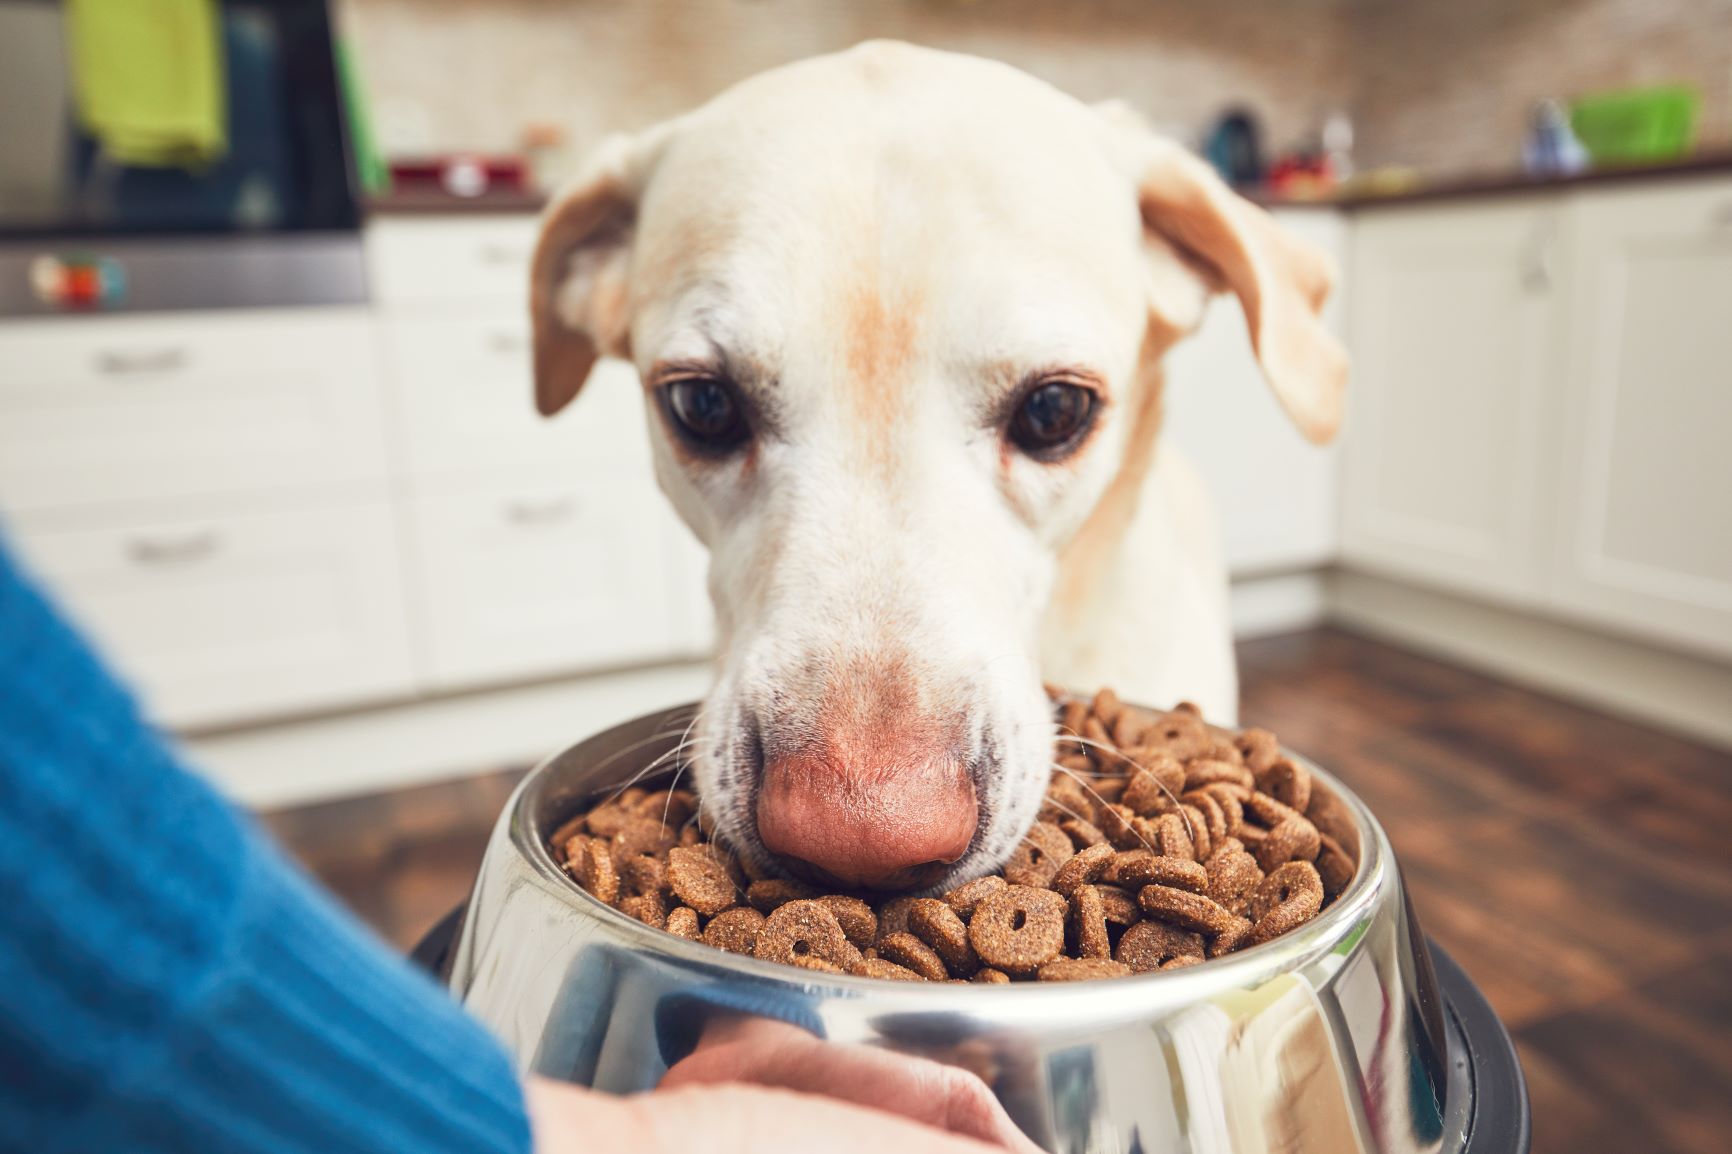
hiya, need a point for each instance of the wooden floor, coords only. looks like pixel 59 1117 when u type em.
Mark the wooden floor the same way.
pixel 1579 867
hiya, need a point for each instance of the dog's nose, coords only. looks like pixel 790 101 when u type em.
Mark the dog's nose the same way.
pixel 889 824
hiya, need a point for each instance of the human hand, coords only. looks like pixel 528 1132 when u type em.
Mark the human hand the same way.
pixel 721 1119
pixel 769 1053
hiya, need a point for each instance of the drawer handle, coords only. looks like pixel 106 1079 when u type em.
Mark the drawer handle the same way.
pixel 182 550
pixel 549 512
pixel 500 253
pixel 115 363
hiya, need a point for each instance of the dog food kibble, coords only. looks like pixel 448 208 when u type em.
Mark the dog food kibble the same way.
pixel 1162 842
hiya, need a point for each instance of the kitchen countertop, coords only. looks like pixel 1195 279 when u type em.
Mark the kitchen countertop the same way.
pixel 423 202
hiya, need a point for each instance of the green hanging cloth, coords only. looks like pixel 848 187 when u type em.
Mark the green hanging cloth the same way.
pixel 148 80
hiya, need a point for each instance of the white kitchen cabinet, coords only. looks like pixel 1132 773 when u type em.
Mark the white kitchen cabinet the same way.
pixel 221 617
pixel 545 580
pixel 1644 524
pixel 1274 492
pixel 105 409
pixel 1454 329
pixel 452 258
pixel 466 397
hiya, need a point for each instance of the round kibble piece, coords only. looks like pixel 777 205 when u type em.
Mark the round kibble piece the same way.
pixel 641 837
pixel 936 924
pixel 683 923
pixel 1018 928
pixel 1173 837
pixel 1082 833
pixel 1081 970
pixel 699 879
pixel 1203 771
pixel 1259 749
pixel 649 909
pixel 1149 869
pixel 1230 938
pixel 1232 877
pixel 1149 946
pixel 1293 840
pixel 772 893
pixel 734 930
pixel 814 962
pixel 1038 856
pixel 988 976
pixel 905 949
pixel 884 968
pixel 1183 908
pixel 1153 787
pixel 966 896
pixel 1089 923
pixel 1083 869
pixel 1119 907
pixel 893 916
pixel 596 872
pixel 1289 783
pixel 1334 865
pixel 855 916
pixel 804 928
pixel 1288 897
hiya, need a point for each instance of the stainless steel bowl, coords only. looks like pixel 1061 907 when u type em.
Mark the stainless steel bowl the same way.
pixel 1330 1040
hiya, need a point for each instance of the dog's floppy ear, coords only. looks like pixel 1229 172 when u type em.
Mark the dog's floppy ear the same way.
pixel 1281 281
pixel 579 276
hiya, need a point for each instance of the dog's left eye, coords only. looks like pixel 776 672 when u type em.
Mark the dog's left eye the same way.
pixel 1051 418
pixel 707 412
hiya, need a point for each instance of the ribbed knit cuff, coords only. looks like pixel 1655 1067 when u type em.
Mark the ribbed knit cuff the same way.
pixel 311 1036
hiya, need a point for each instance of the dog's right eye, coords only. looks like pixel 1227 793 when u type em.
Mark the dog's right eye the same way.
pixel 707 412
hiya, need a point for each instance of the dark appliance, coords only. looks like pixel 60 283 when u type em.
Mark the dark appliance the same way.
pixel 267 216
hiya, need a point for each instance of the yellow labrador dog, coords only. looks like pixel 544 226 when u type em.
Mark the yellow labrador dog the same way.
pixel 899 316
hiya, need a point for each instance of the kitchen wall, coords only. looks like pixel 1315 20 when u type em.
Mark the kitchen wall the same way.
pixel 1444 85
pixel 1447 85
pixel 456 74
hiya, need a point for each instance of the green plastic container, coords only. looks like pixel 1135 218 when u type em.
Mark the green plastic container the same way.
pixel 1637 125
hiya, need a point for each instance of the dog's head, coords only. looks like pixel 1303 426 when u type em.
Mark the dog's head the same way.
pixel 897 314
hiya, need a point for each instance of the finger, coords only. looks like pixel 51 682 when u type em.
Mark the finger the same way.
pixel 753 1120
pixel 774 1054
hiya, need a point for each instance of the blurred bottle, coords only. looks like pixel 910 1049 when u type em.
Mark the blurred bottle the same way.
pixel 1551 147
pixel 1338 147
pixel 1234 147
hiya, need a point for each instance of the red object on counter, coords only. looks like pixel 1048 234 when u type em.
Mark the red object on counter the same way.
pixel 461 175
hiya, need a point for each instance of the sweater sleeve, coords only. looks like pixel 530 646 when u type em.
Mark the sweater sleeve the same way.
pixel 169 981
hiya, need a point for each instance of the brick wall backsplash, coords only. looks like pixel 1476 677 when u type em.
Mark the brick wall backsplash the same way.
pixel 1445 85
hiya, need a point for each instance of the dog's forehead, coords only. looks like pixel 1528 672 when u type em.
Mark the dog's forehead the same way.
pixel 859 189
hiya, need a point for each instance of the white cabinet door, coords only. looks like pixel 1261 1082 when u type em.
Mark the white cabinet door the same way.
pixel 521 582
pixel 467 397
pixel 1645 526
pixel 1274 492
pixel 110 409
pixel 227 618
pixel 1454 322
pixel 452 258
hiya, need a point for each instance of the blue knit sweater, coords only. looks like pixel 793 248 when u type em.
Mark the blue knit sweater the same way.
pixel 168 981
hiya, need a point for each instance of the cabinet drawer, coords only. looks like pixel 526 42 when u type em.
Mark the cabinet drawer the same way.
pixel 528 583
pixel 452 259
pixel 467 397
pixel 230 618
pixel 145 407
